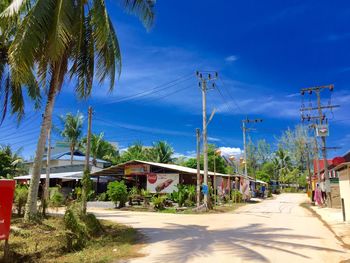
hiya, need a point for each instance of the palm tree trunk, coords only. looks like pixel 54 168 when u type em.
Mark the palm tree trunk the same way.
pixel 31 205
pixel 71 154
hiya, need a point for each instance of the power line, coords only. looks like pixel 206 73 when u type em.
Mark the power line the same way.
pixel 156 89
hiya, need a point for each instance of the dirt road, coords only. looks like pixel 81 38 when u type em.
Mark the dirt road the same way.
pixel 273 231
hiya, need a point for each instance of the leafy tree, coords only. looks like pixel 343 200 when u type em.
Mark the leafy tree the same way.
pixel 11 164
pixel 51 39
pixel 72 130
pixel 118 193
pixel 263 151
pixel 252 162
pixel 266 173
pixel 293 141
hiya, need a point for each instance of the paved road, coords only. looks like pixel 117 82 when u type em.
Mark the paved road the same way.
pixel 273 231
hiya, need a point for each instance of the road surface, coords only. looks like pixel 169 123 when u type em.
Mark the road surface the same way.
pixel 272 231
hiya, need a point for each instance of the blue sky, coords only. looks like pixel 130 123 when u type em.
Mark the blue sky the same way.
pixel 264 51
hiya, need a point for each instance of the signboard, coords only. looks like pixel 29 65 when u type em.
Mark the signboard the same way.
pixel 322 130
pixel 136 169
pixel 205 189
pixel 7 188
pixel 162 183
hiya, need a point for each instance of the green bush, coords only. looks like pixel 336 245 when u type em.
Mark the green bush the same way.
pixel 56 198
pixel 158 202
pixel 146 197
pixel 76 232
pixel 21 195
pixel 134 193
pixel 236 196
pixel 93 226
pixel 103 197
pixel 118 193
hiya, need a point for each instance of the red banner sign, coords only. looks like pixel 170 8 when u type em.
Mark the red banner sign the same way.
pixel 7 189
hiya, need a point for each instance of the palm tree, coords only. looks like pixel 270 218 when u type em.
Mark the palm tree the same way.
pixel 100 148
pixel 72 131
pixel 11 163
pixel 134 152
pixel 53 38
pixel 161 152
pixel 284 163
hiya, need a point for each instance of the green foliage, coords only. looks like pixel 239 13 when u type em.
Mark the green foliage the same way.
pixel 76 232
pixel 266 173
pixel 236 196
pixel 101 149
pixel 93 226
pixel 21 195
pixel 158 202
pixel 56 198
pixel 161 152
pixel 117 192
pixel 11 164
pixel 181 194
pixel 191 192
pixel 146 197
pixel 103 197
pixel 72 129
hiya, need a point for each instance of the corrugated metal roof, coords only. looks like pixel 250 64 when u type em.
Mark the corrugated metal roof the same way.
pixel 173 167
pixel 67 176
pixel 78 156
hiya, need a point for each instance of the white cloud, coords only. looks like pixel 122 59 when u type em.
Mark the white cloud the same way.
pixel 213 139
pixel 228 151
pixel 231 58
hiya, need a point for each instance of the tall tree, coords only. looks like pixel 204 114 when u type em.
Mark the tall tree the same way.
pixel 57 37
pixel 72 130
pixel 284 163
pixel 100 148
pixel 263 151
pixel 161 152
pixel 11 163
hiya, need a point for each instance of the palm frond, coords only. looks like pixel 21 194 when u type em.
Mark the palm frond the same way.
pixel 143 9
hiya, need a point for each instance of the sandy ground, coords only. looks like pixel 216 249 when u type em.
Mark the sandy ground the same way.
pixel 272 231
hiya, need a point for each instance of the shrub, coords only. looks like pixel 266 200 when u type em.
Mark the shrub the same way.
pixel 237 196
pixel 56 198
pixel 93 226
pixel 117 192
pixel 158 202
pixel 103 197
pixel 21 194
pixel 146 197
pixel 181 194
pixel 134 193
pixel 76 234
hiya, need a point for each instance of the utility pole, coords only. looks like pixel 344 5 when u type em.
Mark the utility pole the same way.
pixel 321 118
pixel 198 137
pixel 86 176
pixel 204 79
pixel 47 179
pixel 245 129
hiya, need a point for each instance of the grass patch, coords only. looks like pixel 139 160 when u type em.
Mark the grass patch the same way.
pixel 45 242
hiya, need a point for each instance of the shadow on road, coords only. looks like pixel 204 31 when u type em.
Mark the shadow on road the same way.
pixel 191 241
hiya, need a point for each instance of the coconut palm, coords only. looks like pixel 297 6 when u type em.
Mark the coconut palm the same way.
pixel 11 163
pixel 58 38
pixel 161 152
pixel 100 148
pixel 72 130
pixel 284 163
